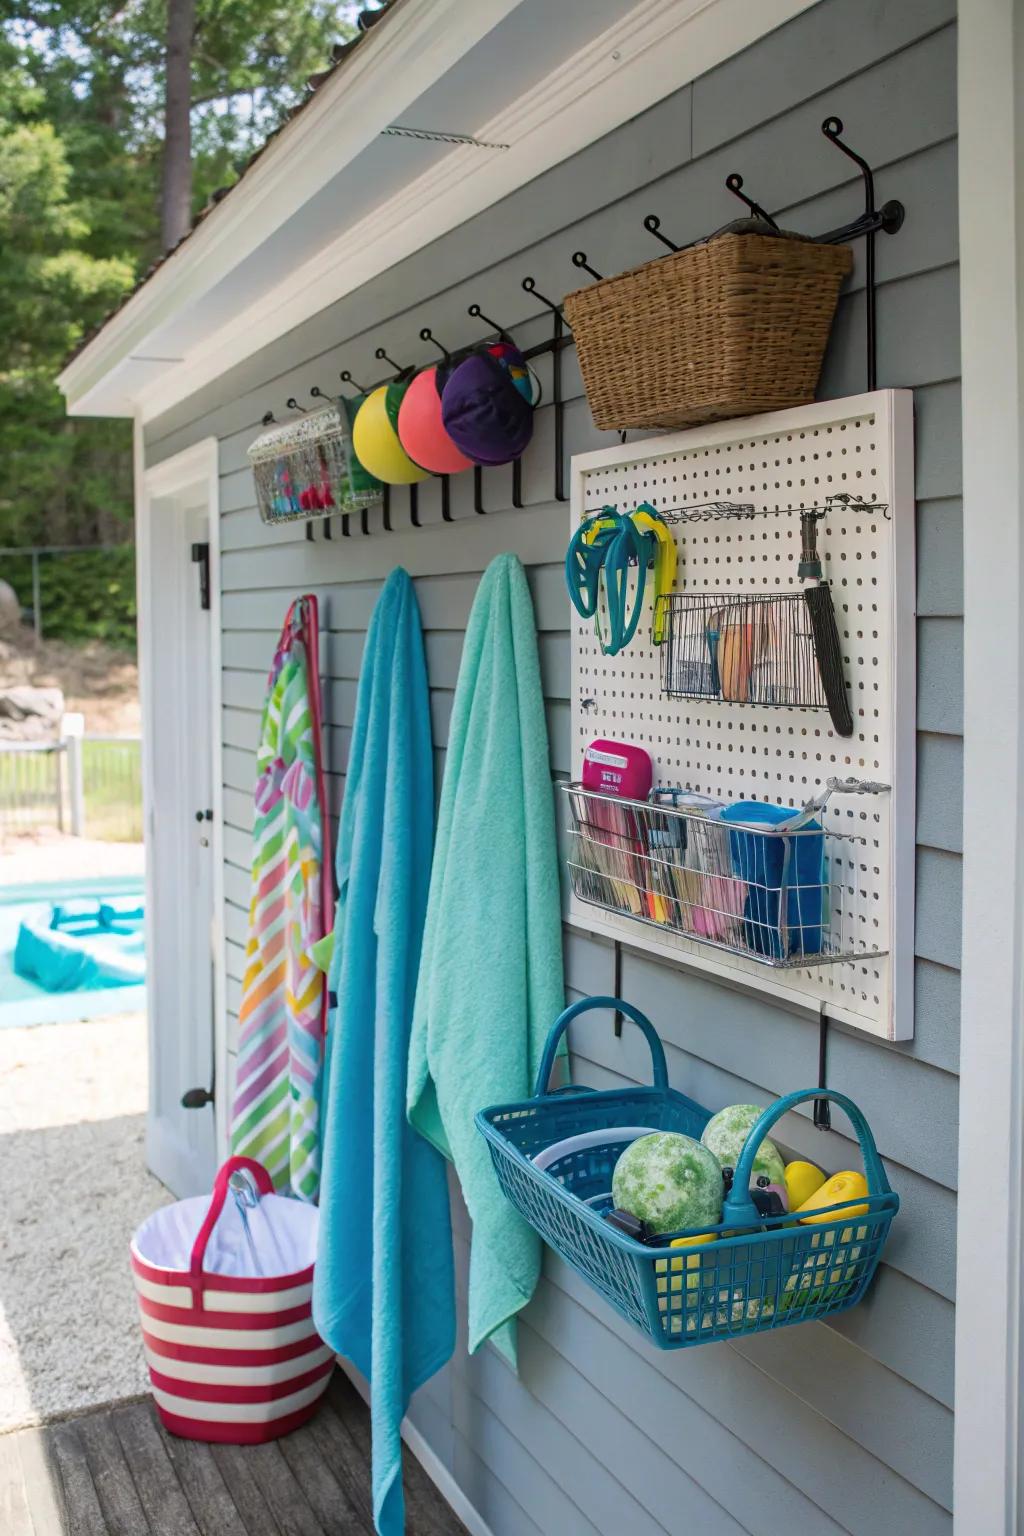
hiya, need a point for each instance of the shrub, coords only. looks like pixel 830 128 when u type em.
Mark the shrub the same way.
pixel 84 595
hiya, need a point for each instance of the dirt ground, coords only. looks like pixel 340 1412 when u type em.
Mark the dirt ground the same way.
pixel 97 680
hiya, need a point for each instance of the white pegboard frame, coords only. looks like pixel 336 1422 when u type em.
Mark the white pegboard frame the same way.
pixel 779 463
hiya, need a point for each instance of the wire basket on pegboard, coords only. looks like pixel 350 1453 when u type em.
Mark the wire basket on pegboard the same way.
pixel 743 648
pixel 307 468
pixel 763 881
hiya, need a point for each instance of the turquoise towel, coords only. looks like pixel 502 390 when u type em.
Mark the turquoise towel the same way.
pixel 490 983
pixel 383 1288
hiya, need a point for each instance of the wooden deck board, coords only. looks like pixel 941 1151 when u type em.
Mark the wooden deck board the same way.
pixel 111 1477
pixel 116 1472
pixel 204 1486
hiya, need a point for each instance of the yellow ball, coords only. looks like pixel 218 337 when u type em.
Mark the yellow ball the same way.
pixel 375 438
pixel 802 1180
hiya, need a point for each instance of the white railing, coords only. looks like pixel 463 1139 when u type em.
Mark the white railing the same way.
pixel 88 785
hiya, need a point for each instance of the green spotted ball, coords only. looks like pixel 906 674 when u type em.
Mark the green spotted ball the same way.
pixel 725 1134
pixel 669 1181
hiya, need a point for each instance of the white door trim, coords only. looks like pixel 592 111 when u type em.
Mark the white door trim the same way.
pixel 987 1454
pixel 197 466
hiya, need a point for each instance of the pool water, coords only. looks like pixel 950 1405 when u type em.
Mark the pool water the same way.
pixel 24 1002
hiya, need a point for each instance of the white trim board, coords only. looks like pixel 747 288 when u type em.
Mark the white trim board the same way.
pixel 987 1457
pixel 655 49
pixel 197 466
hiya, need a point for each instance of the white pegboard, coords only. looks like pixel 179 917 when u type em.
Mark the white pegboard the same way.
pixel 780 463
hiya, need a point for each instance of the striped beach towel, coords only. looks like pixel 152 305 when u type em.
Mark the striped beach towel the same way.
pixel 283 1014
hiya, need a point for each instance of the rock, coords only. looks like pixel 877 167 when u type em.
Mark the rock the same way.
pixel 30 714
pixel 10 608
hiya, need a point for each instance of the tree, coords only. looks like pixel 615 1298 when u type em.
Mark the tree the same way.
pixel 176 188
pixel 83 87
pixel 50 289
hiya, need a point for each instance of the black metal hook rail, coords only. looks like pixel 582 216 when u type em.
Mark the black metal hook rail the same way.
pixel 888 220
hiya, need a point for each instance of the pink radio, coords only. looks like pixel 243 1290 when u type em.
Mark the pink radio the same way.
pixel 616 768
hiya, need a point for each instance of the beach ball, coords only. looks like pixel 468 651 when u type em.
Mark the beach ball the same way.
pixel 421 429
pixel 484 412
pixel 375 438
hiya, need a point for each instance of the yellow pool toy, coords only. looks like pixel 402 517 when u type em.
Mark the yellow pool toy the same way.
pixel 376 442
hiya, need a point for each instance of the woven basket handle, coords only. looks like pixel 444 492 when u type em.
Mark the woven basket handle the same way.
pixel 264 1184
pixel 563 1021
pixel 739 1209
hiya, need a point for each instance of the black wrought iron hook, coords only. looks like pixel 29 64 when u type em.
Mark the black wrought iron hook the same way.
pixel 426 334
pixel 293 405
pixel 734 183
pixel 889 219
pixel 477 313
pixel 832 128
pixel 267 418
pixel 530 286
pixel 383 357
pixel 346 378
pixel 652 224
pixel 318 394
pixel 579 259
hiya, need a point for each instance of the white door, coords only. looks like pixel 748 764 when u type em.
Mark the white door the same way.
pixel 177 688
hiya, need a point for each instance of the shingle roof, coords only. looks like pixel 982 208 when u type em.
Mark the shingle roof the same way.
pixel 339 55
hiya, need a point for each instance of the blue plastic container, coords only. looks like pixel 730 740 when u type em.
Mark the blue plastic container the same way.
pixel 747 1275
pixel 773 863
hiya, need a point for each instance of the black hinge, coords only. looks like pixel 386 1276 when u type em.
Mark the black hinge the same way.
pixel 201 557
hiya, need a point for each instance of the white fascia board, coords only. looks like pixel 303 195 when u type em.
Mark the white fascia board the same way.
pixel 656 48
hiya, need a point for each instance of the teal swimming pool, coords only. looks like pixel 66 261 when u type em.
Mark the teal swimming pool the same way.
pixel 23 1001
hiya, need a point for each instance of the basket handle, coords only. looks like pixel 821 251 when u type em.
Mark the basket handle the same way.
pixel 565 1018
pixel 740 1210
pixel 265 1185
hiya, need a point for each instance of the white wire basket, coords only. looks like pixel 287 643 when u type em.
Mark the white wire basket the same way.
pixel 741 648
pixel 305 469
pixel 787 895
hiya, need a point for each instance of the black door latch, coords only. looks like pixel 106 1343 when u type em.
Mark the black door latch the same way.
pixel 196 1098
pixel 201 557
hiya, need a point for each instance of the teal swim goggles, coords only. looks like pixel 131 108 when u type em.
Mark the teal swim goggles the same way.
pixel 608 545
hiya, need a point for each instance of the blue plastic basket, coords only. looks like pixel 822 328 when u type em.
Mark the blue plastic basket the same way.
pixel 748 1275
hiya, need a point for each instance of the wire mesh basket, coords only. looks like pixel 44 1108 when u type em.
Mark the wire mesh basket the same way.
pixel 740 648
pixel 762 881
pixel 749 1274
pixel 306 468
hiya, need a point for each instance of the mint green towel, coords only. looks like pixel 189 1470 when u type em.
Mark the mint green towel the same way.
pixel 490 982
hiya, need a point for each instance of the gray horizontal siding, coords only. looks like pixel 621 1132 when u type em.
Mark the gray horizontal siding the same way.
pixel 845 1426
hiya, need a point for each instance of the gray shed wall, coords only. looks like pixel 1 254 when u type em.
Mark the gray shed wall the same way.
pixel 825 1428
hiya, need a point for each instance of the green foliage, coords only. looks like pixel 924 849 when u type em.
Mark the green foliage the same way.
pixel 88 595
pixel 81 104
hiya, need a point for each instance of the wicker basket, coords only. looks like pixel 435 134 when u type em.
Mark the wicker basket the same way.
pixel 730 327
